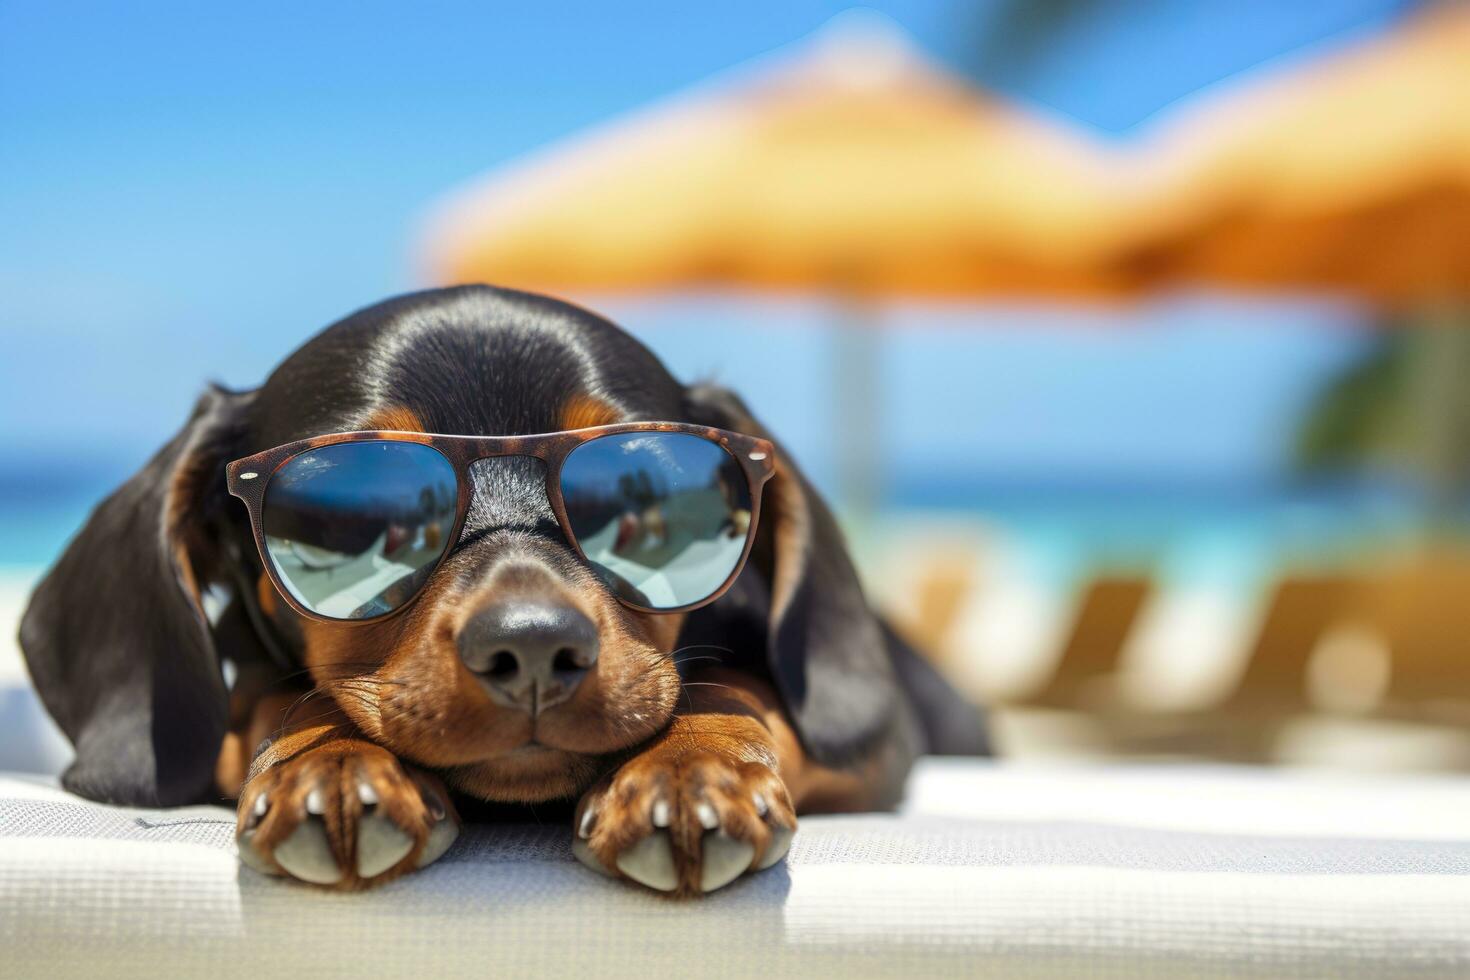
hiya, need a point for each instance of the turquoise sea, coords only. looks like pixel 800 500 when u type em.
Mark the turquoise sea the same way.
pixel 1057 532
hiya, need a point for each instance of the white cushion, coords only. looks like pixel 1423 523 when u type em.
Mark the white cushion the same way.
pixel 1022 871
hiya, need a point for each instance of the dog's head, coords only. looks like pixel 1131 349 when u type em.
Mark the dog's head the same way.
pixel 128 663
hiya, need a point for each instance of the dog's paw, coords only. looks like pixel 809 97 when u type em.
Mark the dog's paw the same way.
pixel 346 815
pixel 684 822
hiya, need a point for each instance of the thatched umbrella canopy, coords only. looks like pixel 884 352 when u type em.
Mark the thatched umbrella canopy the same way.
pixel 1350 172
pixel 848 163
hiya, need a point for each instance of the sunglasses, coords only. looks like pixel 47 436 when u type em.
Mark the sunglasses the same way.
pixel 350 526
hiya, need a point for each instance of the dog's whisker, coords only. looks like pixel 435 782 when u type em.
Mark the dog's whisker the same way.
pixel 689 660
pixel 352 668
pixel 290 712
pixel 700 646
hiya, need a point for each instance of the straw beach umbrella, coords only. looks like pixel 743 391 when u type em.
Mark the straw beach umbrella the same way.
pixel 1350 172
pixel 847 166
pixel 846 163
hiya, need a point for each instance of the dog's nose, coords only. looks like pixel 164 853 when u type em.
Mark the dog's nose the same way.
pixel 529 656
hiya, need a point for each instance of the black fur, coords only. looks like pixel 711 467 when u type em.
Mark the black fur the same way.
pixel 118 648
pixel 125 661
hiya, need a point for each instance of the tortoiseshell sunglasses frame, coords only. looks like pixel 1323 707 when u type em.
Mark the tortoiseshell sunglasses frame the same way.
pixel 249 478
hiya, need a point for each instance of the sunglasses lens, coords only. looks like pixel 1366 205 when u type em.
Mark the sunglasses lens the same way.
pixel 661 516
pixel 354 529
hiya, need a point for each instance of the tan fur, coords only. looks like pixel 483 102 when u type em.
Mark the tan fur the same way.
pixel 786 508
pixel 394 418
pixel 584 411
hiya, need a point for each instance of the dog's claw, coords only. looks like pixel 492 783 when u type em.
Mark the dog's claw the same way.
pixel 252 858
pixel 651 862
pixel 445 833
pixel 660 814
pixel 583 853
pixel 775 850
pixel 725 859
pixel 436 807
pixel 307 855
pixel 380 845
pixel 316 802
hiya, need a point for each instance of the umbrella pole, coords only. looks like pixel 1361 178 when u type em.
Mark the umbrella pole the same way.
pixel 857 399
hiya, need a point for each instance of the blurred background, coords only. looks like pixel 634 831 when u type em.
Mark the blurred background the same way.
pixel 1126 336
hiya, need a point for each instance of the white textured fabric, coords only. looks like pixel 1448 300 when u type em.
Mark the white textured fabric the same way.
pixel 990 869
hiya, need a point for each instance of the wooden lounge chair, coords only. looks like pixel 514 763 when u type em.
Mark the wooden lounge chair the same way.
pixel 1106 616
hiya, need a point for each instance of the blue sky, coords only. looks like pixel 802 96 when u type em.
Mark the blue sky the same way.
pixel 187 191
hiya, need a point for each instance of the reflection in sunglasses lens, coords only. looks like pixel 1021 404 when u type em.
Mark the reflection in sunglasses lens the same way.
pixel 354 529
pixel 661 516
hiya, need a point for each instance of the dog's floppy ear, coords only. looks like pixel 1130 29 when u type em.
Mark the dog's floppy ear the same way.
pixel 115 636
pixel 827 650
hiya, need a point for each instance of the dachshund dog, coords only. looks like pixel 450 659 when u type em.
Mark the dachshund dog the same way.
pixel 683 743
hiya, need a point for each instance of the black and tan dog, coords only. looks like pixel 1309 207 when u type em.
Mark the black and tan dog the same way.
pixel 690 746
